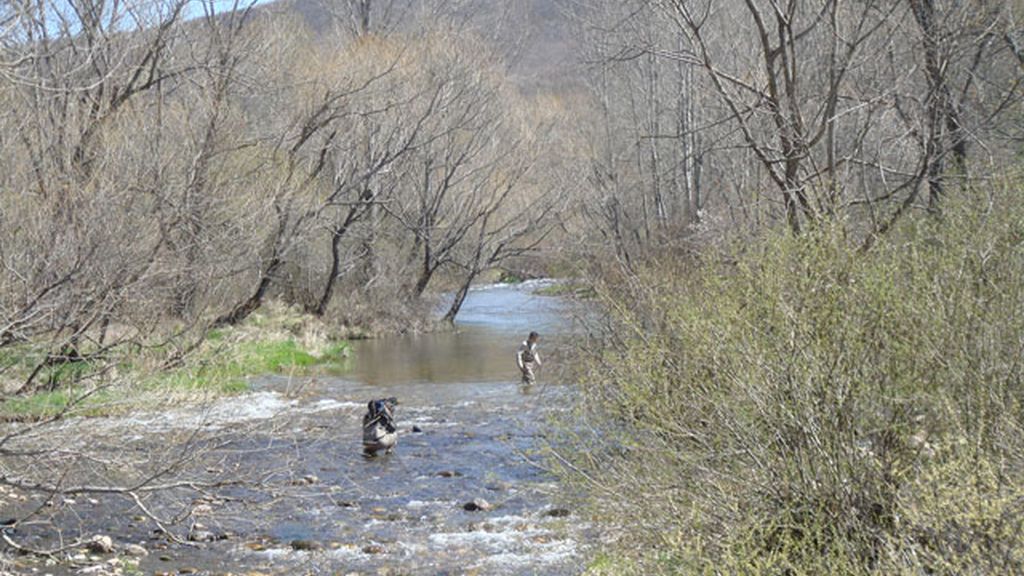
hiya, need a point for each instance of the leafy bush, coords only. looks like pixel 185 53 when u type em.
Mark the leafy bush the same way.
pixel 798 406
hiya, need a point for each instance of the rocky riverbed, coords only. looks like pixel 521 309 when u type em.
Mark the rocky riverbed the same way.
pixel 273 482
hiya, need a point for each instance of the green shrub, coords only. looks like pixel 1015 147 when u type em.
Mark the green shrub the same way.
pixel 798 406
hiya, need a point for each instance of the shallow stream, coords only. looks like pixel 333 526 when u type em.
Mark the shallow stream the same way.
pixel 309 503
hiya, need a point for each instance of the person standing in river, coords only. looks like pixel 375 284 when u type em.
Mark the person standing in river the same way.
pixel 527 358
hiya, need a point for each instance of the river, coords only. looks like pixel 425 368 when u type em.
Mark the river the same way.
pixel 309 503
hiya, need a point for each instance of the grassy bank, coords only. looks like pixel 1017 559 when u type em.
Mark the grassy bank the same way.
pixel 275 340
pixel 571 288
pixel 797 406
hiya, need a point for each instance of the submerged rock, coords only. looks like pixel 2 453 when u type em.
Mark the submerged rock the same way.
pixel 477 505
pixel 307 480
pixel 557 512
pixel 306 545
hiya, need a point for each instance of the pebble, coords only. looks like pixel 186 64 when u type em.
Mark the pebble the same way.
pixel 477 505
pixel 201 536
pixel 306 545
pixel 136 550
pixel 100 545
pixel 373 549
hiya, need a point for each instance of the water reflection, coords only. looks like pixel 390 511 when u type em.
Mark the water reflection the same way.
pixel 493 321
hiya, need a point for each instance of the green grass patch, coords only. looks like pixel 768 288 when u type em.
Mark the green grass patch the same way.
pixel 222 365
pixel 48 404
pixel 507 277
pixel 571 289
pixel 224 368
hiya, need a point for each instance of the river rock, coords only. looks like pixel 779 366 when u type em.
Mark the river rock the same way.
pixel 307 480
pixel 201 536
pixel 373 549
pixel 416 429
pixel 306 545
pixel 100 544
pixel 557 512
pixel 477 505
pixel 497 486
pixel 136 551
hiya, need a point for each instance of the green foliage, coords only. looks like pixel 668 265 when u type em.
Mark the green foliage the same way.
pixel 48 404
pixel 223 368
pixel 222 365
pixel 802 407
pixel 507 277
pixel 568 288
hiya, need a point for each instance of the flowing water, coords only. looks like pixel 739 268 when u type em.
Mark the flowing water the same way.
pixel 311 504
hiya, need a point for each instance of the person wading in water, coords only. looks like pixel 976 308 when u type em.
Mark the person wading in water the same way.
pixel 527 358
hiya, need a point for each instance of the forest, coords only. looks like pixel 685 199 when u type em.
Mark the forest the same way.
pixel 799 222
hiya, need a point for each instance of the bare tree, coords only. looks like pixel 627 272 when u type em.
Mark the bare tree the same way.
pixel 822 109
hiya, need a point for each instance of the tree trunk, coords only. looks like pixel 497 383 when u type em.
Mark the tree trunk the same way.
pixel 460 297
pixel 942 115
pixel 332 276
pixel 243 310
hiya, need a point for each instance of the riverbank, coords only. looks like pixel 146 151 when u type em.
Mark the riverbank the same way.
pixel 275 340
